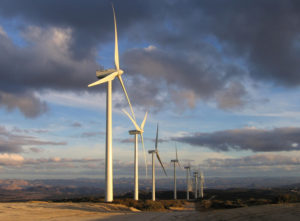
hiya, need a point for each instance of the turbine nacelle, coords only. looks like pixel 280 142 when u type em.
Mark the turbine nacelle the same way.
pixel 152 151
pixel 133 132
pixel 104 73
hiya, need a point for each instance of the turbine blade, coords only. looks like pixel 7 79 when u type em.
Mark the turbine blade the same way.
pixel 103 80
pixel 179 164
pixel 144 121
pixel 177 156
pixel 157 155
pixel 145 158
pixel 128 100
pixel 132 120
pixel 116 41
pixel 156 139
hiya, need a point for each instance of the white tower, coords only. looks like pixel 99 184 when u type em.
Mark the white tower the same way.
pixel 196 184
pixel 201 185
pixel 187 181
pixel 153 163
pixel 136 163
pixel 174 163
pixel 107 76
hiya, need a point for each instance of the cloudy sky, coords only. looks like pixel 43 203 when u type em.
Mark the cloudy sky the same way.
pixel 221 78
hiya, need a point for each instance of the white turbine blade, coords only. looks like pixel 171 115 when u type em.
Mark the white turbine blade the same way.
pixel 103 80
pixel 144 121
pixel 156 139
pixel 128 100
pixel 145 158
pixel 157 155
pixel 116 41
pixel 132 120
pixel 177 157
pixel 179 164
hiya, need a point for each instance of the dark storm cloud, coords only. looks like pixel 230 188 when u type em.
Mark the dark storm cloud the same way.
pixel 257 140
pixel 92 21
pixel 201 77
pixel 192 39
pixel 27 103
pixel 15 143
pixel 44 64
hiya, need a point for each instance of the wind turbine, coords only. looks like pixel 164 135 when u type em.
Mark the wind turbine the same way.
pixel 188 170
pixel 201 184
pixel 108 76
pixel 138 131
pixel 196 184
pixel 141 131
pixel 153 163
pixel 174 162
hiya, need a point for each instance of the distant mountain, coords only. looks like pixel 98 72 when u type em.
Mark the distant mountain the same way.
pixel 22 190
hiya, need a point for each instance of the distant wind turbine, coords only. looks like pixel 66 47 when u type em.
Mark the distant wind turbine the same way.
pixel 196 184
pixel 201 184
pixel 153 163
pixel 108 76
pixel 138 131
pixel 174 162
pixel 141 132
pixel 188 171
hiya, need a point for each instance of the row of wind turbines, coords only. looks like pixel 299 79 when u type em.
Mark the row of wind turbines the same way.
pixel 107 76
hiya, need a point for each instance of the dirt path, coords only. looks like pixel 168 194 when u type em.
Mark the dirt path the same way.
pixel 286 212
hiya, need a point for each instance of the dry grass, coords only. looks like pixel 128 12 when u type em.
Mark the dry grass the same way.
pixel 149 205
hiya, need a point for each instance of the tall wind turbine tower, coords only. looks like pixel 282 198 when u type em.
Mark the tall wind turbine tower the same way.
pixel 188 169
pixel 174 163
pixel 196 184
pixel 108 76
pixel 153 163
pixel 138 131
pixel 201 184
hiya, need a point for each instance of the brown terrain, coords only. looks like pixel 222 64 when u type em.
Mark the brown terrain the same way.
pixel 41 200
pixel 101 211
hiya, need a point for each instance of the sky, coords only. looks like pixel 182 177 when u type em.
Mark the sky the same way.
pixel 220 77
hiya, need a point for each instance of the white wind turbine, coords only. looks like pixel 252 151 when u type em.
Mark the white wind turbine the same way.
pixel 138 131
pixel 174 162
pixel 188 171
pixel 153 163
pixel 196 184
pixel 201 184
pixel 108 76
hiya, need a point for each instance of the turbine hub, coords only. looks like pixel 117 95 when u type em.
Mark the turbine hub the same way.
pixel 120 71
pixel 133 132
